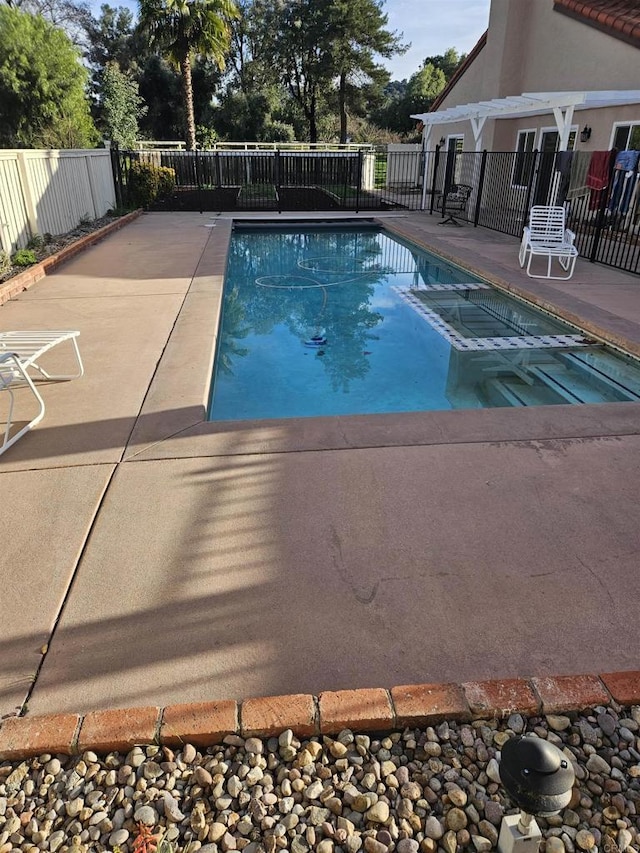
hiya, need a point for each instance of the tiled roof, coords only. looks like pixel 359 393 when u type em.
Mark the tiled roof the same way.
pixel 618 18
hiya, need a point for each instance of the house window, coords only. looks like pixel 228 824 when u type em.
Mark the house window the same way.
pixel 626 137
pixel 523 165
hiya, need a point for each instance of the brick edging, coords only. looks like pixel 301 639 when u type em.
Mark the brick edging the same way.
pixel 364 710
pixel 23 281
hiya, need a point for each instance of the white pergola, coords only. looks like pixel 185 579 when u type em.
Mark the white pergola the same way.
pixel 561 104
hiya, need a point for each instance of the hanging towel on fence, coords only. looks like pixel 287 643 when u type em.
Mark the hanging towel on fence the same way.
pixel 621 189
pixel 627 160
pixel 598 176
pixel 623 182
pixel 578 178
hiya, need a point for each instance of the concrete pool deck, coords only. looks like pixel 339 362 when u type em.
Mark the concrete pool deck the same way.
pixel 151 558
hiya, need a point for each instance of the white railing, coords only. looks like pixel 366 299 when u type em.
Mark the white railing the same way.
pixel 51 192
pixel 145 145
pixel 163 144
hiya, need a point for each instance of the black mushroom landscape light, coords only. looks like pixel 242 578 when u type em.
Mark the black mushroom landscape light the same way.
pixel 538 777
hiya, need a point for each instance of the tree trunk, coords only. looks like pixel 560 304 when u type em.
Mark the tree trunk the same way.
pixel 187 91
pixel 342 106
pixel 313 129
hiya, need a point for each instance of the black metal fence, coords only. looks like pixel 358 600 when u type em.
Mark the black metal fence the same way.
pixel 492 189
pixel 602 202
pixel 260 180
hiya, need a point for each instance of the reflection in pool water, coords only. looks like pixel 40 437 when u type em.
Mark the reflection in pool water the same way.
pixel 354 321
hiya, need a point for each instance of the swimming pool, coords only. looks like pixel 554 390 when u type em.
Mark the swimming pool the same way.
pixel 352 320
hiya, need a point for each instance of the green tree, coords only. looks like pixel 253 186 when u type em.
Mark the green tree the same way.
pixel 206 79
pixel 358 34
pixel 162 92
pixel 182 29
pixel 324 52
pixel 251 48
pixel 239 117
pixel 447 62
pixel 418 93
pixel 72 16
pixel 42 86
pixel 301 44
pixel 122 106
pixel 113 37
pixel 424 87
pixel 255 105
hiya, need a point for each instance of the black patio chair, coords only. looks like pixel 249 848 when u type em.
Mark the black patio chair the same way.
pixel 455 201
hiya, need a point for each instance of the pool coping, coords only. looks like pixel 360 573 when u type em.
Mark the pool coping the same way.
pixel 375 709
pixel 173 420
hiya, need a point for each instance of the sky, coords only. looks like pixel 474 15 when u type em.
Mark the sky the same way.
pixel 431 26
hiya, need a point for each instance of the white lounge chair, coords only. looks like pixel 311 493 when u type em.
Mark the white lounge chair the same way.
pixel 21 352
pixel 547 236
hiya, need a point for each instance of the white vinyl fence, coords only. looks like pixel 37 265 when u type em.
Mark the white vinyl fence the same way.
pixel 403 164
pixel 51 192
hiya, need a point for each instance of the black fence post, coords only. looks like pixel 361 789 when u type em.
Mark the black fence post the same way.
pixel 198 180
pixel 359 179
pixel 424 155
pixel 218 170
pixel 276 177
pixel 483 168
pixel 117 177
pixel 434 177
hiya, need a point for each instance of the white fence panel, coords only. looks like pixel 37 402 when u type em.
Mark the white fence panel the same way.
pixel 403 164
pixel 103 188
pixel 46 191
pixel 14 224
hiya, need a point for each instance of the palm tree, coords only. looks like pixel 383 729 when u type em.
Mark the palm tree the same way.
pixel 182 29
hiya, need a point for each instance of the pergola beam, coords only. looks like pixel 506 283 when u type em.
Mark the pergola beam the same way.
pixel 561 104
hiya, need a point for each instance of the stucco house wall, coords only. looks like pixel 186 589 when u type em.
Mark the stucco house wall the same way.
pixel 530 47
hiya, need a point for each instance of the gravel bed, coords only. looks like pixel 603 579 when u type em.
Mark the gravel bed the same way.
pixel 53 244
pixel 433 790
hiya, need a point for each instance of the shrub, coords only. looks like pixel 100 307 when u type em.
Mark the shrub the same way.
pixel 147 182
pixel 36 242
pixel 5 262
pixel 206 137
pixel 24 258
pixel 278 131
pixel 167 181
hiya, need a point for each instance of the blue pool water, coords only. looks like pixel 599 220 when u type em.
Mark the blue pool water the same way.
pixel 354 321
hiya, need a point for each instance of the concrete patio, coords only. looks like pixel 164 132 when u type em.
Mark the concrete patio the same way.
pixel 151 557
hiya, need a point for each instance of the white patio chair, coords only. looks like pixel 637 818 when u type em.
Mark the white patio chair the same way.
pixel 21 352
pixel 547 236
